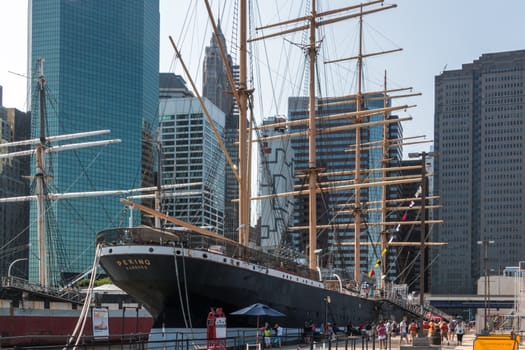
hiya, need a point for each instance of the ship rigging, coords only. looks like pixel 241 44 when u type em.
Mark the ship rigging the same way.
pixel 180 300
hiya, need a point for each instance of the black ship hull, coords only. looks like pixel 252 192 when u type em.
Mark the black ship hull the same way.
pixel 178 286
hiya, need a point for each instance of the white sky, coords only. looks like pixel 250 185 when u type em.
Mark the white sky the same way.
pixel 434 34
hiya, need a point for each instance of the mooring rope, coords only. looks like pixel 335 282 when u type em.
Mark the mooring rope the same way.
pixel 81 323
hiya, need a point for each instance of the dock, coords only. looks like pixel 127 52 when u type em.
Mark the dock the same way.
pixel 392 344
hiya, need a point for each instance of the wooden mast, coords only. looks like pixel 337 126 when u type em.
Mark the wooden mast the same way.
pixel 312 132
pixel 357 178
pixel 40 180
pixel 244 186
pixel 384 163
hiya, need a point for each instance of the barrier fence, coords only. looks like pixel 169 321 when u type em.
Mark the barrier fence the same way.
pixel 241 340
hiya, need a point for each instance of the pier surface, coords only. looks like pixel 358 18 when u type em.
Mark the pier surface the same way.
pixel 394 344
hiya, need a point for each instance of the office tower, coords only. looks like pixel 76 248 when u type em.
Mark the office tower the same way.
pixel 192 161
pixel 14 216
pixel 172 85
pixel 275 175
pixel 216 88
pixel 478 135
pixel 336 152
pixel 215 85
pixel 101 67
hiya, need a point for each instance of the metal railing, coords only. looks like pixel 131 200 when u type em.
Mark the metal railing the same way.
pixel 11 282
pixel 241 341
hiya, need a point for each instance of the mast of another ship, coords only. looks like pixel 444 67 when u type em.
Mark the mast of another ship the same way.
pixel 40 179
pixel 40 173
pixel 41 148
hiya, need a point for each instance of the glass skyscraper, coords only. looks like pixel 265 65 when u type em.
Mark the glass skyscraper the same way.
pixel 101 67
pixel 336 152
pixel 192 159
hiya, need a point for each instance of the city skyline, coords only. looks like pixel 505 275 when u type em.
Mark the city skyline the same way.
pixel 435 36
pixel 474 250
pixel 108 61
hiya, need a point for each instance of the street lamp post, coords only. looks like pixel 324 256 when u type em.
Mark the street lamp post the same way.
pixel 11 265
pixel 485 244
pixel 422 230
pixel 327 301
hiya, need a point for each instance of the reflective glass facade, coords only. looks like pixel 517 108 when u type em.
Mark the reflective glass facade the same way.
pixel 336 153
pixel 101 66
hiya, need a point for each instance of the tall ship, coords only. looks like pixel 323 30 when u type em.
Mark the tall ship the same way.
pixel 332 258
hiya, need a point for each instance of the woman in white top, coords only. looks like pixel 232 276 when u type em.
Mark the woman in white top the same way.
pixel 460 330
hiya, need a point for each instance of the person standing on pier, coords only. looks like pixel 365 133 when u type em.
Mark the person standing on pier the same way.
pixel 267 335
pixel 426 327
pixel 403 330
pixel 412 329
pixel 452 329
pixel 444 332
pixel 381 335
pixel 278 334
pixel 460 330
